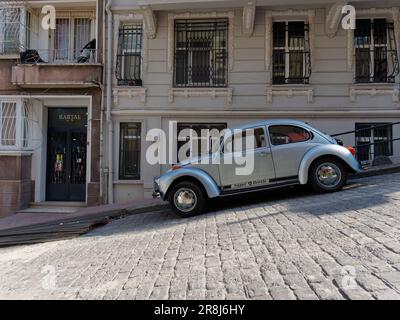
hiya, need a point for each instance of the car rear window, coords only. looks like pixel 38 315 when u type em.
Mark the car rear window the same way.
pixel 288 134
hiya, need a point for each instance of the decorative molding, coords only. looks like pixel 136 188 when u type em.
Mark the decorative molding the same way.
pixel 374 91
pixel 268 39
pixel 129 18
pixel 333 18
pixel 88 14
pixel 249 13
pixel 129 92
pixel 372 12
pixel 200 15
pixel 396 21
pixel 350 49
pixel 311 22
pixel 150 22
pixel 201 92
pixel 288 91
pixel 282 14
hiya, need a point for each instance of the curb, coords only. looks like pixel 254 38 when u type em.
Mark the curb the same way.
pixel 375 172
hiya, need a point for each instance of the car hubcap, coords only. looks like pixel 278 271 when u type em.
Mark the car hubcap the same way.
pixel 328 174
pixel 185 199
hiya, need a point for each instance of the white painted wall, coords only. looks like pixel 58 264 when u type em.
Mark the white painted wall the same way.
pixel 331 111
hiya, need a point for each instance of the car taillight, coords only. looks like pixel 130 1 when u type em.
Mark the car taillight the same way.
pixel 352 150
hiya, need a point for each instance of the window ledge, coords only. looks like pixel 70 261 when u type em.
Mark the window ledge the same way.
pixel 10 152
pixel 62 64
pixel 129 182
pixel 11 56
pixel 374 90
pixel 130 92
pixel 201 92
pixel 290 90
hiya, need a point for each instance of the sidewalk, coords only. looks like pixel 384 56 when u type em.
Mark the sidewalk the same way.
pixel 23 228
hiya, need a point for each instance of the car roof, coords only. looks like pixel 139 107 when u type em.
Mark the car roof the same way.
pixel 270 122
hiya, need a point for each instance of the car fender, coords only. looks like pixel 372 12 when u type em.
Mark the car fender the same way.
pixel 326 150
pixel 166 180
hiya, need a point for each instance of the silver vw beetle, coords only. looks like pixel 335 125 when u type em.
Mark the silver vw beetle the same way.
pixel 284 153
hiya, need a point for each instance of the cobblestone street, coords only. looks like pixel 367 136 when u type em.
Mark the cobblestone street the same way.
pixel 338 246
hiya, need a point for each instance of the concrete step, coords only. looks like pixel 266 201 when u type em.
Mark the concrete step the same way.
pixel 53 207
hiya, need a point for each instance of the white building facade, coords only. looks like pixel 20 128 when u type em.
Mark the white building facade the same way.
pixel 216 64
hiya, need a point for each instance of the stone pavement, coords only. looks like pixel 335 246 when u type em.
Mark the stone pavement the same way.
pixel 292 244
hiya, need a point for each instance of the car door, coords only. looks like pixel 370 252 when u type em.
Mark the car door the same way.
pixel 289 144
pixel 260 171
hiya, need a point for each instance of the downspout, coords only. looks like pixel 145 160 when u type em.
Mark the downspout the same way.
pixel 103 96
pixel 108 106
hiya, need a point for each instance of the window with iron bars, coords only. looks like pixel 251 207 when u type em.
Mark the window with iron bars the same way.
pixel 373 140
pixel 15 125
pixel 201 53
pixel 376 57
pixel 129 56
pixel 129 148
pixel 10 30
pixel 291 53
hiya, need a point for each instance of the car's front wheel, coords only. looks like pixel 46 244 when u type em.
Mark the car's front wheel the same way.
pixel 327 175
pixel 187 199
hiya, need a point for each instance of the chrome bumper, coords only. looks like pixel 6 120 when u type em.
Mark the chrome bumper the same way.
pixel 156 195
pixel 156 190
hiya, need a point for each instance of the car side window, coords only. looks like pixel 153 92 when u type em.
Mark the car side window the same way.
pixel 288 134
pixel 256 137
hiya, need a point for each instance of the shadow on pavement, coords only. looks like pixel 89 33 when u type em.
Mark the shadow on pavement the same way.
pixel 357 195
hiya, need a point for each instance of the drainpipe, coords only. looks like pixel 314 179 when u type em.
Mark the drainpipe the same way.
pixel 103 96
pixel 108 104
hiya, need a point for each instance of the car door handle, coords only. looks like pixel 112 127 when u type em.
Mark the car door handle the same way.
pixel 264 153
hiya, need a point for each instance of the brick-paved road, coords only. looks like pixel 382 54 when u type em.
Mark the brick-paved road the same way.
pixel 339 246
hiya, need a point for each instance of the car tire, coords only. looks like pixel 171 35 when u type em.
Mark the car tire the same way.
pixel 187 199
pixel 327 175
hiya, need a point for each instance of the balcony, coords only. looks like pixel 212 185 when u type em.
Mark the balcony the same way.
pixel 57 69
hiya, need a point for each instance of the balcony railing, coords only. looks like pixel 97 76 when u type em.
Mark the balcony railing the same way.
pixel 58 56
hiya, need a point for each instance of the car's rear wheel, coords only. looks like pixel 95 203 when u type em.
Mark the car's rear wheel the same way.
pixel 327 175
pixel 187 199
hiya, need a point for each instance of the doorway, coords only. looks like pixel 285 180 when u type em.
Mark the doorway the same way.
pixel 66 154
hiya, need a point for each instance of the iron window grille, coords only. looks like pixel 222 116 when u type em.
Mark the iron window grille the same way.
pixel 16 125
pixel 201 48
pixel 130 146
pixel 129 55
pixel 373 140
pixel 291 53
pixel 376 56
pixel 10 30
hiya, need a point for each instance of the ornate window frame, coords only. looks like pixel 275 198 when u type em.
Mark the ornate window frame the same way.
pixel 271 15
pixel 120 19
pixel 201 92
pixel 373 89
pixel 389 13
pixel 200 15
pixel 129 91
pixel 288 90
